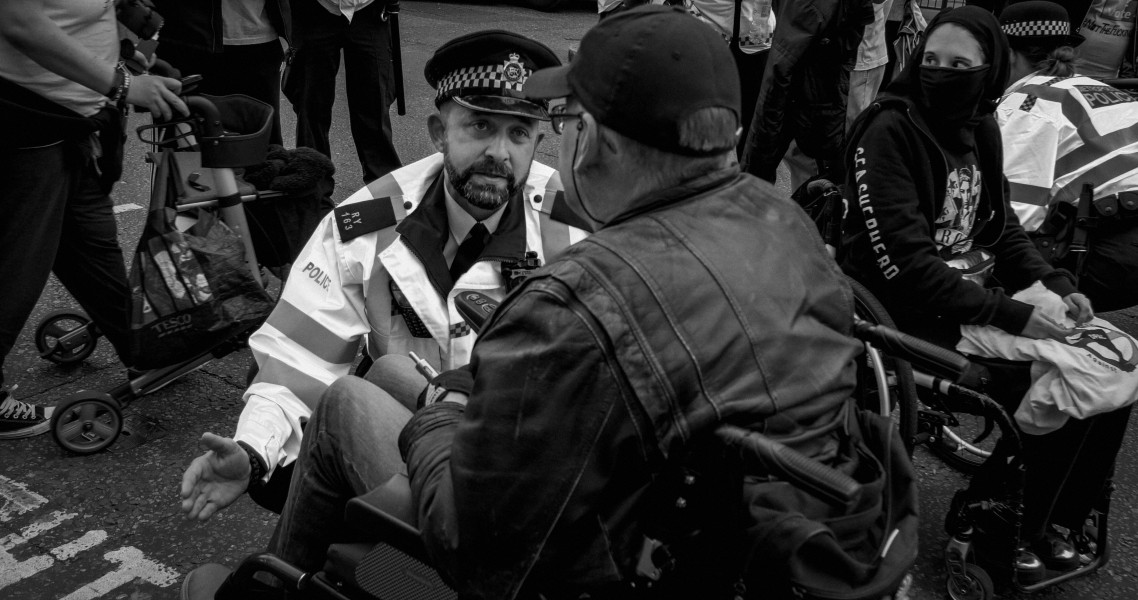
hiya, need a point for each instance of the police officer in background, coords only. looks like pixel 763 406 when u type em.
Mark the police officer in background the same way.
pixel 387 264
pixel 1062 130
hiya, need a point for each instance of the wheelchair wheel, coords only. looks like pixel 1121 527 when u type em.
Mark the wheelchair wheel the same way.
pixel 65 337
pixel 86 422
pixel 975 584
pixel 903 389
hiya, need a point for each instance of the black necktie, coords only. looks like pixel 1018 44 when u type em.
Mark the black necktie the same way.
pixel 469 250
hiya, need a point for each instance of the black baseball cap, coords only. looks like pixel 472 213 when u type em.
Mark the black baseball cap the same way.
pixel 641 71
pixel 485 70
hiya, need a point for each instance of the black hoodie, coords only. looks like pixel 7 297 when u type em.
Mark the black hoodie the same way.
pixel 896 182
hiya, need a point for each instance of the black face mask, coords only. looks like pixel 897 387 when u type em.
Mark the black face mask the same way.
pixel 950 95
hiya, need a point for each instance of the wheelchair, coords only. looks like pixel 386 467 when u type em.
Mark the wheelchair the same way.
pixel 389 560
pixel 942 408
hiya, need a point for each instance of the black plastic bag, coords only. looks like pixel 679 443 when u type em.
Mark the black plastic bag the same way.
pixel 189 290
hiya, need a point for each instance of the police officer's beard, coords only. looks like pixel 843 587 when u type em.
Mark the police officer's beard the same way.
pixel 483 196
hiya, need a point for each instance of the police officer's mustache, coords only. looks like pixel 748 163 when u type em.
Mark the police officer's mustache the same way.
pixel 484 195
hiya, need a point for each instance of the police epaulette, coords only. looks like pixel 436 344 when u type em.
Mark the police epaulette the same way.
pixel 362 218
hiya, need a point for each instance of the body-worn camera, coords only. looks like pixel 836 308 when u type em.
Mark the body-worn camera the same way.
pixel 514 272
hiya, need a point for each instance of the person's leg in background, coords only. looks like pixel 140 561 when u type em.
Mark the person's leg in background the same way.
pixel 311 86
pixel 253 70
pixel 34 187
pixel 89 262
pixel 750 68
pixel 350 447
pixel 371 90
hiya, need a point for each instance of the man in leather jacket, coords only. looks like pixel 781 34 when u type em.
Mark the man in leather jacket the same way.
pixel 703 298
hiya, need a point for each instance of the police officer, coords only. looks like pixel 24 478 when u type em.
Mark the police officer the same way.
pixel 386 265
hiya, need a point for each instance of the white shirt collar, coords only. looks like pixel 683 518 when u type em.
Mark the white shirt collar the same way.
pixel 460 221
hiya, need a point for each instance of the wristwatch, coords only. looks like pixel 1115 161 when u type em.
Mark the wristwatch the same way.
pixel 257 468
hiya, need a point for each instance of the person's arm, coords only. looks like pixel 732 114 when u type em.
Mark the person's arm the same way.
pixel 25 25
pixel 491 485
pixel 896 241
pixel 309 341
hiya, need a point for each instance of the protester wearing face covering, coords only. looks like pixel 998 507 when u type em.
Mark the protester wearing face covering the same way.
pixel 928 222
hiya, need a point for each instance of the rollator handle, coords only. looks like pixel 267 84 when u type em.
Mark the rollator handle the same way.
pixel 829 485
pixel 925 356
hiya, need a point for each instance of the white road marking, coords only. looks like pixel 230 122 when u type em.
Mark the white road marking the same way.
pixel 89 540
pixel 15 539
pixel 12 571
pixel 121 208
pixel 15 499
pixel 133 565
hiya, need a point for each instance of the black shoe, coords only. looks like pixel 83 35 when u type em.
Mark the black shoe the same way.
pixel 1056 552
pixel 1029 569
pixel 20 419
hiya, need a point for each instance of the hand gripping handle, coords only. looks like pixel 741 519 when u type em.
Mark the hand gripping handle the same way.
pixel 829 485
pixel 925 356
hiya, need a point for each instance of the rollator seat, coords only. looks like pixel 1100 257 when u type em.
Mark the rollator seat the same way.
pixel 399 566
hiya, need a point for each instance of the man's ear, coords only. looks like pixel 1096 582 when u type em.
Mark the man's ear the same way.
pixel 438 131
pixel 589 139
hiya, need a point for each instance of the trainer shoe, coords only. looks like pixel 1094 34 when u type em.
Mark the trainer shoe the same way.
pixel 20 419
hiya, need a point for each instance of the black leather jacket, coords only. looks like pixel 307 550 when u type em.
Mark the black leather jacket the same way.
pixel 196 24
pixel 715 303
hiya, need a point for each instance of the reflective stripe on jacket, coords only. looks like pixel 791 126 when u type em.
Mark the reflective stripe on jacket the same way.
pixel 1060 133
pixel 345 287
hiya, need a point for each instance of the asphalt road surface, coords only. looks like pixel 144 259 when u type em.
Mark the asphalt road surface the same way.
pixel 108 525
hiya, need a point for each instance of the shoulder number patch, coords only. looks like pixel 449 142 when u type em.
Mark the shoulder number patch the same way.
pixel 361 218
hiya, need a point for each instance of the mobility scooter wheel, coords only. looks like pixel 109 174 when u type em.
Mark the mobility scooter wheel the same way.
pixel 66 337
pixel 975 584
pixel 86 422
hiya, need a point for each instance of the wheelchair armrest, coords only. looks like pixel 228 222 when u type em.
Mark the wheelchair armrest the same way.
pixel 924 356
pixel 386 514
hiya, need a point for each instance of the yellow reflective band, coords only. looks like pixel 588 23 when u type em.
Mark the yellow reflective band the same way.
pixel 307 388
pixel 298 326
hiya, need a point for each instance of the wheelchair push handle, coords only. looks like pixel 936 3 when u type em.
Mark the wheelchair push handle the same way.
pixel 829 485
pixel 924 356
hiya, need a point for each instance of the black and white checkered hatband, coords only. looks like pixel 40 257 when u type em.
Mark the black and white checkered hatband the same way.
pixel 1037 29
pixel 502 79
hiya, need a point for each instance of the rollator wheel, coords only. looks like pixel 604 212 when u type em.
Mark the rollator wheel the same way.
pixel 976 584
pixel 53 345
pixel 86 422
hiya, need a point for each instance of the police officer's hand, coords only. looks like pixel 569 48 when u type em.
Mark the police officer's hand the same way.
pixel 215 479
pixel 1079 308
pixel 1042 327
pixel 159 95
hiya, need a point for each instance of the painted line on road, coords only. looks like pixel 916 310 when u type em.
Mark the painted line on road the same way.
pixel 15 539
pixel 15 499
pixel 132 565
pixel 88 541
pixel 121 208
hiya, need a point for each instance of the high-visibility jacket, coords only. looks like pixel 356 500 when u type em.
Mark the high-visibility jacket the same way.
pixel 1060 133
pixel 373 271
